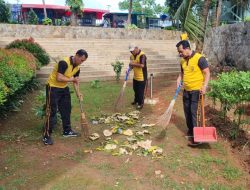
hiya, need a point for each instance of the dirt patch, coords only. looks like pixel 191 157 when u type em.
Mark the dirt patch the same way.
pixel 238 138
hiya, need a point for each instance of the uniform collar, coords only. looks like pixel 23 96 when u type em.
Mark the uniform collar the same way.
pixel 72 61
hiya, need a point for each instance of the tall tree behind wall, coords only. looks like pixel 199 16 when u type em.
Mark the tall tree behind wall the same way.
pixel 76 7
pixel 44 9
pixel 149 7
pixel 4 12
pixel 130 11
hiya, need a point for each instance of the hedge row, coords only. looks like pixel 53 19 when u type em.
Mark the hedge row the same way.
pixel 17 67
pixel 31 46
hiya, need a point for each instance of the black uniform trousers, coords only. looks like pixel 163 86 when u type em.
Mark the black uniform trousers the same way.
pixel 57 99
pixel 190 104
pixel 139 88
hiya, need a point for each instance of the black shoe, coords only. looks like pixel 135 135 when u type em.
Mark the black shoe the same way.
pixel 139 107
pixel 47 141
pixel 191 143
pixel 133 103
pixel 70 133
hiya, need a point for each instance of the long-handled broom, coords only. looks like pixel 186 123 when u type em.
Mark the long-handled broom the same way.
pixel 119 100
pixel 84 124
pixel 164 119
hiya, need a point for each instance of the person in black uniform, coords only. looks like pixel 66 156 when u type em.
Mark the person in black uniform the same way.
pixel 138 62
pixel 58 94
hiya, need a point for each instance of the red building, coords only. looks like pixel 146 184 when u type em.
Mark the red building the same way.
pixel 90 16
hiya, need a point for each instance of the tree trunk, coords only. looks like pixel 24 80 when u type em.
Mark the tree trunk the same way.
pixel 218 13
pixel 44 10
pixel 205 12
pixel 199 46
pixel 73 19
pixel 130 11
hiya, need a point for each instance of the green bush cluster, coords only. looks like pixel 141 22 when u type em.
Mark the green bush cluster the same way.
pixel 232 90
pixel 247 19
pixel 33 47
pixel 17 67
pixel 131 26
pixel 47 21
pixel 117 67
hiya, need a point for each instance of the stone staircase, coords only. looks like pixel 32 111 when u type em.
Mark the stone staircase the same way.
pixel 161 55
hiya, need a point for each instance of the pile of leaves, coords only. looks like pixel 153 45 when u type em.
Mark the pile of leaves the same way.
pixel 125 135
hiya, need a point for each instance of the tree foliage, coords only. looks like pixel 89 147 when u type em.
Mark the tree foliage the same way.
pixel 149 7
pixel 191 19
pixel 173 6
pixel 32 17
pixel 4 12
pixel 76 7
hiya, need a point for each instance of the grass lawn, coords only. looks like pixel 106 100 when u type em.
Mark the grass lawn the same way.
pixel 27 164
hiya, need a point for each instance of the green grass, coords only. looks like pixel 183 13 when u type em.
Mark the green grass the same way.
pixel 231 173
pixel 97 101
pixel 104 166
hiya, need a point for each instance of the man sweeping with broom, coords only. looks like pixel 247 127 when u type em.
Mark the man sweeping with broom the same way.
pixel 58 94
pixel 195 75
pixel 138 62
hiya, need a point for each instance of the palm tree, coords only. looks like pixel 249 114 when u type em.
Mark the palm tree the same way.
pixel 191 21
pixel 76 7
pixel 130 11
pixel 44 9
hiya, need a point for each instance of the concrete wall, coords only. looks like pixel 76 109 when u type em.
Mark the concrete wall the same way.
pixel 229 45
pixel 40 31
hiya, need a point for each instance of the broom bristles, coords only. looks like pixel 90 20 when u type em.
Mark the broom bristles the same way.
pixel 166 116
pixel 119 100
pixel 84 125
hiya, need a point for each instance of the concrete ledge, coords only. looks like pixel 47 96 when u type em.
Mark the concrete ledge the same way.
pixel 79 32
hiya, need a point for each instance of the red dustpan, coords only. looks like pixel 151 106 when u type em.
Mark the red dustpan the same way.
pixel 204 134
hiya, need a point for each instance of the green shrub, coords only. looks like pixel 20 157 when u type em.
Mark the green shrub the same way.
pixel 4 12
pixel 17 69
pixel 32 17
pixel 231 89
pixel 170 28
pixel 95 84
pixel 131 26
pixel 117 66
pixel 247 19
pixel 47 21
pixel 40 107
pixel 58 22
pixel 32 47
pixel 3 92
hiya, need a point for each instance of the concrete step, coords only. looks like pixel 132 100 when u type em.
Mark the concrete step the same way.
pixel 161 55
pixel 167 75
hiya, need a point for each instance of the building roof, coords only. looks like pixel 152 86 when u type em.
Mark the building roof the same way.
pixel 40 6
pixel 99 12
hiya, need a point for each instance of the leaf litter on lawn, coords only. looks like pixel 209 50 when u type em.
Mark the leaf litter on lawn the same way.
pixel 126 135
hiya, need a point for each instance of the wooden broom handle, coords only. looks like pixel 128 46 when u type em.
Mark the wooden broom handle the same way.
pixel 203 110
